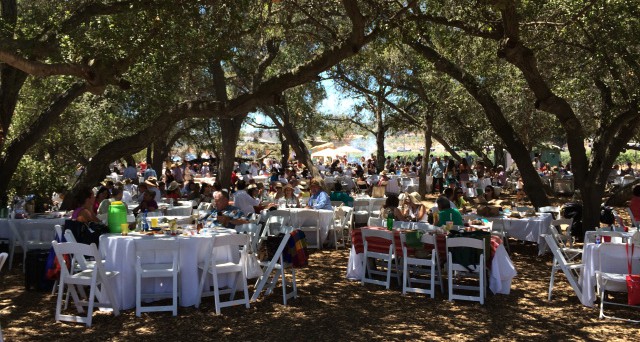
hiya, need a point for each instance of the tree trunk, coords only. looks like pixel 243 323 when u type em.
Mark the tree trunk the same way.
pixel 447 147
pixel 150 154
pixel 284 150
pixel 299 147
pixel 159 146
pixel 230 129
pixel 498 155
pixel 422 178
pixel 532 183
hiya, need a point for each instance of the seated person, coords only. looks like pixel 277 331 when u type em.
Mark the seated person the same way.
pixel 116 195
pixel 391 206
pixel 225 214
pixel 458 198
pixel 173 191
pixel 84 200
pixel 489 193
pixel 290 197
pixel 339 195
pixel 449 194
pixel 412 208
pixel 148 203
pixel 446 213
pixel 319 198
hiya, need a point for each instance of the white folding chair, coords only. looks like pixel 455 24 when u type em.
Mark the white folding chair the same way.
pixel 499 228
pixel 360 211
pixel 611 276
pixel 467 271
pixel 278 265
pixel 375 207
pixel 97 278
pixel 275 220
pixel 389 257
pixel 413 265
pixel 336 204
pixel 309 223
pixel 27 239
pixel 566 238
pixel 571 270
pixel 148 251
pixel 337 227
pixel 253 230
pixel 237 243
pixel 375 222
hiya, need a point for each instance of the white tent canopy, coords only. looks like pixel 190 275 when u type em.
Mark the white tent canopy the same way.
pixel 328 152
pixel 346 149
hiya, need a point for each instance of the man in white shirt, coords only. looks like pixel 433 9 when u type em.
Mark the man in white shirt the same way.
pixel 152 184
pixel 243 200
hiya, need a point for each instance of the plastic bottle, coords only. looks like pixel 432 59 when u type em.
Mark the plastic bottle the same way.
pixel 598 239
pixel 145 221
pixel 390 221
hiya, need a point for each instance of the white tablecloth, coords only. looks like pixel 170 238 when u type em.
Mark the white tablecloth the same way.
pixel 587 280
pixel 325 221
pixel 526 228
pixel 37 229
pixel 120 255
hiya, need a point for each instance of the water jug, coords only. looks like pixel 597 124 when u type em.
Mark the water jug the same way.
pixel 117 216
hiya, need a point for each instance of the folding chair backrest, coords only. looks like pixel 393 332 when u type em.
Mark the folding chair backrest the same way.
pixel 251 229
pixel 377 233
pixel 469 243
pixel 377 203
pixel 145 247
pixel 76 251
pixel 375 222
pixel 239 240
pixel 360 205
pixel 58 229
pixel 348 215
pixel 563 221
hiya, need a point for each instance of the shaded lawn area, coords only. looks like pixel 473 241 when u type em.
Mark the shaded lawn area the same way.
pixel 330 307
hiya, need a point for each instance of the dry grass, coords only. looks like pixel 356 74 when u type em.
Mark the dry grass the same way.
pixel 330 307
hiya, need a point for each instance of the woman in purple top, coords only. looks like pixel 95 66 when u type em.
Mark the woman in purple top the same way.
pixel 85 200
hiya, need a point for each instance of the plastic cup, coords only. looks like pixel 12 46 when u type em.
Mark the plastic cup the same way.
pixel 449 225
pixel 124 228
pixel 154 223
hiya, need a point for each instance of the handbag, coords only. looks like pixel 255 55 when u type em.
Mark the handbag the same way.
pixel 378 192
pixel 267 249
pixel 251 264
pixel 633 280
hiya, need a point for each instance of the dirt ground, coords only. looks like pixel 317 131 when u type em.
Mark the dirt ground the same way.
pixel 330 307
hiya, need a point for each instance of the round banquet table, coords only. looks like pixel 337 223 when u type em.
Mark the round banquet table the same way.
pixel 120 255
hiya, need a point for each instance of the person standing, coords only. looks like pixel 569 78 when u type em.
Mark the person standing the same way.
pixel 437 173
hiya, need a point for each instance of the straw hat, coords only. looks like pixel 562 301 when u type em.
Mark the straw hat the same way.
pixel 278 185
pixel 415 198
pixel 205 163
pixel 173 185
pixel 303 185
pixel 152 181
pixel 383 173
